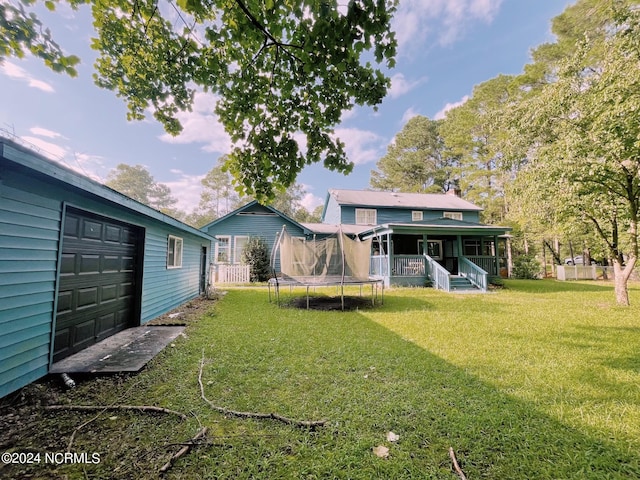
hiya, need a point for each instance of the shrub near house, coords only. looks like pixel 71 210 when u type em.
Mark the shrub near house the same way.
pixel 256 255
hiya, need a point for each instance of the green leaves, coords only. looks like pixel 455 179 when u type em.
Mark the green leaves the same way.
pixel 284 71
pixel 416 160
pixel 21 32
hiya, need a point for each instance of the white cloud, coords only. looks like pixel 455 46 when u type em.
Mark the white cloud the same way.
pixel 186 189
pixel 349 114
pixel 409 114
pixel 44 132
pixel 449 106
pixel 91 166
pixel 446 20
pixel 311 201
pixel 201 125
pixel 400 85
pixel 362 146
pixel 50 150
pixel 18 73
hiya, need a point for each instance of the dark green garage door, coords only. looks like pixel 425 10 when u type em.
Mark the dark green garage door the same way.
pixel 97 294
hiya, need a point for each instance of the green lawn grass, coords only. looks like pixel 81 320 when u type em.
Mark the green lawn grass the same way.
pixel 539 380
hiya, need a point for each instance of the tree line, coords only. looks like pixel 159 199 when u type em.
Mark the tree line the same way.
pixel 554 151
pixel 218 196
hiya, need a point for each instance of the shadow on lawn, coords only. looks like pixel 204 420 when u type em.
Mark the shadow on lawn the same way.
pixel 365 380
pixel 433 405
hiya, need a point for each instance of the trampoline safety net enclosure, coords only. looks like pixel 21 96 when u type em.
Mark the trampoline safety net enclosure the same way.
pixel 336 260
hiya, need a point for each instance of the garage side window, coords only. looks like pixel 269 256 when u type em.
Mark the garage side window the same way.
pixel 174 252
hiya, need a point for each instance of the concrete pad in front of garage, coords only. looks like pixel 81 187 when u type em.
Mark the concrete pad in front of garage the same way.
pixel 126 351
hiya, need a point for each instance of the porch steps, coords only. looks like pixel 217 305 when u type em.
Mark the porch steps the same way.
pixel 459 284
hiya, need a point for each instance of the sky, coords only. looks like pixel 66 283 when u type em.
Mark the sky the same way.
pixel 445 48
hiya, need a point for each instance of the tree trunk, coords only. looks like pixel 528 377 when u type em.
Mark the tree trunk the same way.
pixel 620 280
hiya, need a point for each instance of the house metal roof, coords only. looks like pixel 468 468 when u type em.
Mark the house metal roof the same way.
pixel 328 229
pixel 439 225
pixel 423 201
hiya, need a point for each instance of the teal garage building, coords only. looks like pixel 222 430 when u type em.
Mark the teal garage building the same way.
pixel 80 262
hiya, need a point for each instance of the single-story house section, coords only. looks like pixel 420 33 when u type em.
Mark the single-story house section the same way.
pixel 80 262
pixel 232 231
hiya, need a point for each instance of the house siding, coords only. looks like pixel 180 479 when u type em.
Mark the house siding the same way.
pixel 255 221
pixel 29 237
pixel 332 212
pixel 31 209
pixel 165 288
pixel 402 215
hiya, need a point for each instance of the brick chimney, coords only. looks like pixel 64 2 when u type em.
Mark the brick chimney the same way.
pixel 454 189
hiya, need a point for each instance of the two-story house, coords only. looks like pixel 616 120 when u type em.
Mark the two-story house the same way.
pixel 420 238
pixel 416 238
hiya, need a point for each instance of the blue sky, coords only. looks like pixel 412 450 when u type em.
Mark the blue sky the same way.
pixel 445 48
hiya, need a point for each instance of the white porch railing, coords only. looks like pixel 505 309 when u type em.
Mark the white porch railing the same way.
pixel 379 266
pixel 229 273
pixel 403 266
pixel 438 274
pixel 475 274
pixel 409 265
pixel 486 263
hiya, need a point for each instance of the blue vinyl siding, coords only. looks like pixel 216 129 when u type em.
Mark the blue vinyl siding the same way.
pixel 255 221
pixel 401 215
pixel 166 288
pixel 32 196
pixel 332 212
pixel 29 237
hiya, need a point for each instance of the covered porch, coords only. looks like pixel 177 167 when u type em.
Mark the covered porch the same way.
pixel 450 255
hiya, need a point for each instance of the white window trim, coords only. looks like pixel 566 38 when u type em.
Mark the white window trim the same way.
pixel 417 215
pixel 228 249
pixel 178 245
pixel 237 255
pixel 367 213
pixel 453 215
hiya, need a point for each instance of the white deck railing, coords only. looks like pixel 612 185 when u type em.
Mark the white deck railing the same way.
pixel 379 266
pixel 487 263
pixel 403 266
pixel 438 274
pixel 476 275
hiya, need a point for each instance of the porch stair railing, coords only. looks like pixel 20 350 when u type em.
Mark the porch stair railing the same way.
pixel 438 274
pixel 476 275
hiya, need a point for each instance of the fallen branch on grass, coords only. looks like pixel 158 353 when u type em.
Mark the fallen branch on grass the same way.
pixel 140 408
pixel 274 416
pixel 184 450
pixel 455 464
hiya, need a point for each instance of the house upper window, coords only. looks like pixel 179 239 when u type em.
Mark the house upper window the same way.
pixel 417 215
pixel 366 216
pixel 174 252
pixel 222 248
pixel 453 215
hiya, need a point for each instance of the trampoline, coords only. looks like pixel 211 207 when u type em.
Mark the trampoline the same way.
pixel 335 260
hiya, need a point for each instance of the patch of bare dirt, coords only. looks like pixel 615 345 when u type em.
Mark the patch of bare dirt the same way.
pixel 331 303
pixel 27 427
